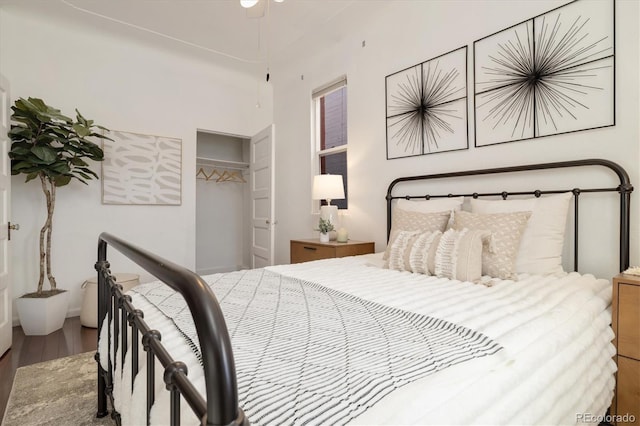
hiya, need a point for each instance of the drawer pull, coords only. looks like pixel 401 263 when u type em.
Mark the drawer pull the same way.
pixel 310 248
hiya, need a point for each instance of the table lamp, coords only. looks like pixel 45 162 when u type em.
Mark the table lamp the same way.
pixel 328 187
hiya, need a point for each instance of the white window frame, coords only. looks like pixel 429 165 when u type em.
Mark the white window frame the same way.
pixel 316 152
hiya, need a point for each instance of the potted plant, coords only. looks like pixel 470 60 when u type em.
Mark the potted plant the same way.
pixel 325 226
pixel 50 147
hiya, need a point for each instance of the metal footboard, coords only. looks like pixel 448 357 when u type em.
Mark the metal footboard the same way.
pixel 221 405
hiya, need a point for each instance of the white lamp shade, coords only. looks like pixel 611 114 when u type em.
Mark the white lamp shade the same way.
pixel 327 187
pixel 248 3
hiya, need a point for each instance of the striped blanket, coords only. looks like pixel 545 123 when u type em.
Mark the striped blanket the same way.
pixel 308 354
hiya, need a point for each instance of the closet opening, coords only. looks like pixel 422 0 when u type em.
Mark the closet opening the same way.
pixel 223 209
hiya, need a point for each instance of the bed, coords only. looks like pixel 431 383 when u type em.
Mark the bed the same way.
pixel 420 334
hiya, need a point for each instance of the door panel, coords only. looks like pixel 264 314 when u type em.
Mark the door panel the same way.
pixel 262 202
pixel 5 198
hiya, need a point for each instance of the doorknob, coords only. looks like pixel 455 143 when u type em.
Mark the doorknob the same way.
pixel 275 222
pixel 10 226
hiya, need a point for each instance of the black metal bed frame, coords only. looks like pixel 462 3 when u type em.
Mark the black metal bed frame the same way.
pixel 221 405
pixel 625 188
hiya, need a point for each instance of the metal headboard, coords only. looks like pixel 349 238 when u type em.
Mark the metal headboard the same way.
pixel 625 188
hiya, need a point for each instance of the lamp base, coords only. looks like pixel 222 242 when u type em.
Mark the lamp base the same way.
pixel 330 213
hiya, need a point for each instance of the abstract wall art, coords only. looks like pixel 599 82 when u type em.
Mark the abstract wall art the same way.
pixel 141 169
pixel 549 75
pixel 426 107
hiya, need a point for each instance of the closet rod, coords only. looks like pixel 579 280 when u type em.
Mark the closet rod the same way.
pixel 211 162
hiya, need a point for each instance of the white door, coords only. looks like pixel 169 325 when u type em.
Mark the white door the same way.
pixel 262 202
pixel 5 198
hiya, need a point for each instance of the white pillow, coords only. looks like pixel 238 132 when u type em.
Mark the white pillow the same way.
pixel 430 206
pixel 543 238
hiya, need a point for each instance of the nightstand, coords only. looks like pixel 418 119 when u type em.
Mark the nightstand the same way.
pixel 307 250
pixel 626 325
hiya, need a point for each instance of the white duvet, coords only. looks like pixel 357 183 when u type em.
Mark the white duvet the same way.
pixel 556 366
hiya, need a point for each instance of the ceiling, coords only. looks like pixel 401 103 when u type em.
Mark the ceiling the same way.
pixel 219 28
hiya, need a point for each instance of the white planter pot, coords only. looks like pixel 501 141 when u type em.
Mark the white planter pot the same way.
pixel 41 316
pixel 324 238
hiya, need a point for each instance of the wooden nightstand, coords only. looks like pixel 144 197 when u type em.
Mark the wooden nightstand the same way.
pixel 626 325
pixel 307 250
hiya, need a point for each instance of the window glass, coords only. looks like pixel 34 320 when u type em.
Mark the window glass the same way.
pixel 336 164
pixel 334 119
pixel 331 133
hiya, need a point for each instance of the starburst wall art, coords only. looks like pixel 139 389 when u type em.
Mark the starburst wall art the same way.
pixel 549 75
pixel 427 107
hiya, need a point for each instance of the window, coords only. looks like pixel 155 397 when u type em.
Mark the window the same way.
pixel 330 141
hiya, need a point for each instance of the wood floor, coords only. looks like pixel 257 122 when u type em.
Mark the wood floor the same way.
pixel 70 340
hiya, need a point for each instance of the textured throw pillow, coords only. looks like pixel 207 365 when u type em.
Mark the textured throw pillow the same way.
pixel 543 238
pixel 455 254
pixel 499 255
pixel 413 251
pixel 459 254
pixel 403 220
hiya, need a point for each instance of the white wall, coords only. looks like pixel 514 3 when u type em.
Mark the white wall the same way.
pixel 123 84
pixel 402 35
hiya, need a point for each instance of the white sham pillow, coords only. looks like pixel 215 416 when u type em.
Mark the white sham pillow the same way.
pixel 430 206
pixel 542 241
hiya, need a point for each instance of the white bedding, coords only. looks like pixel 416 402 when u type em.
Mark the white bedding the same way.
pixel 556 362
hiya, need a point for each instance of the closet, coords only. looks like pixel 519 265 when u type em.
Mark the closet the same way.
pixel 222 203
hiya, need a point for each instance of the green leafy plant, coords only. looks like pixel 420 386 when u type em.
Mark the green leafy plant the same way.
pixel 50 146
pixel 325 226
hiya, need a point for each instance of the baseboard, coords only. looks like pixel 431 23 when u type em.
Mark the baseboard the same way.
pixel 218 269
pixel 73 312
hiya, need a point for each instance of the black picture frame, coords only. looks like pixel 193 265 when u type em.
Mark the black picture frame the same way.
pixel 426 107
pixel 549 75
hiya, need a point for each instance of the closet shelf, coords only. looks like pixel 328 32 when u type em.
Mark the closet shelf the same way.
pixel 212 162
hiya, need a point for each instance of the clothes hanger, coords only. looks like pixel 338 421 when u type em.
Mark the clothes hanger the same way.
pixel 225 176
